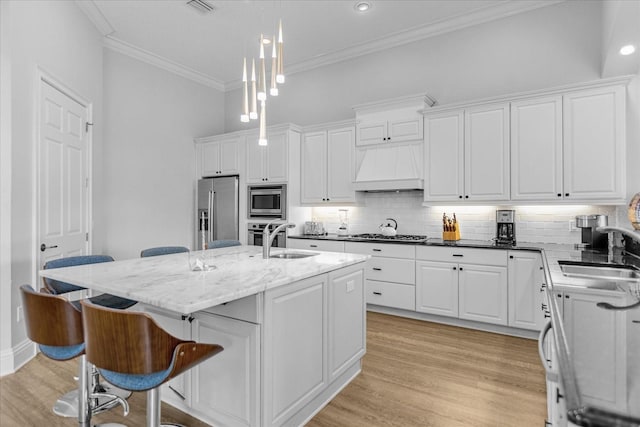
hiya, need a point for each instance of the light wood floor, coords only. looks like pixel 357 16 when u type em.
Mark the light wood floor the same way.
pixel 414 374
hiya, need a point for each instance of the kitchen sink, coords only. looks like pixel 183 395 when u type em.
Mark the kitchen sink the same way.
pixel 293 255
pixel 599 271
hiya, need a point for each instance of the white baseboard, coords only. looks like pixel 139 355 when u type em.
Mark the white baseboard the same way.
pixel 14 358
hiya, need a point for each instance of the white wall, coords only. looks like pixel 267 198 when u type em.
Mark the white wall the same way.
pixel 58 38
pixel 148 163
pixel 546 47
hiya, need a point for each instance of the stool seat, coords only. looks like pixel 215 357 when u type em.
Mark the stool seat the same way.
pixel 215 244
pixel 162 250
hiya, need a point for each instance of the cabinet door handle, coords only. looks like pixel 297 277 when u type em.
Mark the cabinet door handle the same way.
pixel 377 269
pixel 558 395
pixel 455 268
pixel 559 195
pixel 458 255
pixel 542 287
pixel 377 293
pixel 460 268
pixel 566 194
pixel 635 321
pixel 313 246
pixel 466 197
pixel 460 196
pixel 377 250
pixel 510 256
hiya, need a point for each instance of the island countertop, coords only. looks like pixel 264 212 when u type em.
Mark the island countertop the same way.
pixel 167 281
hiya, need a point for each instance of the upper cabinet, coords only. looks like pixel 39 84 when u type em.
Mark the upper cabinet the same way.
pixel 561 146
pixel 220 155
pixel 397 120
pixel 268 163
pixel 327 166
pixel 467 154
pixel 569 147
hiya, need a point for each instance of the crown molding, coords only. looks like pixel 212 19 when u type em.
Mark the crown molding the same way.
pixel 480 16
pixel 125 48
pixel 95 16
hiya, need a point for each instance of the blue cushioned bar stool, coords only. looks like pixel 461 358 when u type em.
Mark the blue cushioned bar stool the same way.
pixel 163 250
pixel 65 406
pixel 214 244
pixel 134 353
pixel 55 325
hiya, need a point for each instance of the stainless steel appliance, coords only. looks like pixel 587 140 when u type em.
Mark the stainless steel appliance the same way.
pixel 255 236
pixel 217 210
pixel 313 228
pixel 591 237
pixel 414 238
pixel 267 201
pixel 506 227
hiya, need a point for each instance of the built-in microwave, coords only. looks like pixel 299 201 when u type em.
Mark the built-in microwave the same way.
pixel 267 201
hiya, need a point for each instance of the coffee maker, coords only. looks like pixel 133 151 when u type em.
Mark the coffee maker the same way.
pixel 506 227
pixel 591 237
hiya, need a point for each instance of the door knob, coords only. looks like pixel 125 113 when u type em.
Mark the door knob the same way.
pixel 44 247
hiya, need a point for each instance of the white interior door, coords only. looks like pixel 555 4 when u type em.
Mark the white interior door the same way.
pixel 63 175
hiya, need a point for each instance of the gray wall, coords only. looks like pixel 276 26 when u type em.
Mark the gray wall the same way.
pixel 546 47
pixel 149 154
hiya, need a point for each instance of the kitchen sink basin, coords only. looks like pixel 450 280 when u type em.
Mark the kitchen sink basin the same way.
pixel 293 255
pixel 599 272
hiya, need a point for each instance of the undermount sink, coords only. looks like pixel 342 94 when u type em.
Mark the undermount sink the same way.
pixel 599 272
pixel 293 255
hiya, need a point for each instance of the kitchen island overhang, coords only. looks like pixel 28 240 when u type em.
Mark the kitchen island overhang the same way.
pixel 294 330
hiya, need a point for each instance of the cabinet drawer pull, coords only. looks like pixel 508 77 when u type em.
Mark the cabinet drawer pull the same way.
pixel 377 250
pixel 377 269
pixel 459 255
pixel 635 321
pixel 313 246
pixel 377 293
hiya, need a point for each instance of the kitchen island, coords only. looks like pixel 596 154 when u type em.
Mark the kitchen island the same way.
pixel 293 330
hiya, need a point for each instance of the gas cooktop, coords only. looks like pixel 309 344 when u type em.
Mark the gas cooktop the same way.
pixel 398 237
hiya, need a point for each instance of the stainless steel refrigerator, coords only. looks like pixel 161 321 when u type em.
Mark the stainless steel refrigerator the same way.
pixel 217 210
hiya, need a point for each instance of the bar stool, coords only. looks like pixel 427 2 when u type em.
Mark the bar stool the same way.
pixel 55 325
pixel 162 250
pixel 133 353
pixel 215 244
pixel 66 404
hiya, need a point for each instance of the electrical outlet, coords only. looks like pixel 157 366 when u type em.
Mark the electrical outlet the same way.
pixel 572 225
pixel 19 313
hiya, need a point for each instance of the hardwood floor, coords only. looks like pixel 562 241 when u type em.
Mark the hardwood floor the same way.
pixel 414 374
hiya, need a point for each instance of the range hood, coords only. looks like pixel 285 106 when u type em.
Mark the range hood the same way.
pixel 389 169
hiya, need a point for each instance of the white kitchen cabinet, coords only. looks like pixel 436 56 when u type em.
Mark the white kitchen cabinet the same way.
pixel 483 293
pixel 221 157
pixel 175 390
pixel 437 288
pixel 317 245
pixel 601 375
pixel 594 144
pixel 346 327
pixel 295 347
pixel 398 129
pixel 526 291
pixel 467 154
pixel 327 166
pixel 268 163
pixel 234 373
pixel 536 149
pixel 389 294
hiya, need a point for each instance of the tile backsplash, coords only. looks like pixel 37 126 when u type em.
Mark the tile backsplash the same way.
pixel 539 224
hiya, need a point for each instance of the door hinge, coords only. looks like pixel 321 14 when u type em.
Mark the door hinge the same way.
pixel 86 126
pixel 86 237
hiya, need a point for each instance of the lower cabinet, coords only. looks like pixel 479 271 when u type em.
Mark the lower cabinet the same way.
pixel 437 288
pixel 526 290
pixel 226 387
pixel 482 293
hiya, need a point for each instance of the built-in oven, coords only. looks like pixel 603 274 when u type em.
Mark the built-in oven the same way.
pixel 255 236
pixel 267 201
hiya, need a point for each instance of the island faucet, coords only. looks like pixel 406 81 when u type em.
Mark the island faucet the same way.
pixel 267 238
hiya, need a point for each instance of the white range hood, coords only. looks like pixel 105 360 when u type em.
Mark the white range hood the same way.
pixel 390 168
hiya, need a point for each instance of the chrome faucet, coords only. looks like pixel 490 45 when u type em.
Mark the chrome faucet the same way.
pixel 267 238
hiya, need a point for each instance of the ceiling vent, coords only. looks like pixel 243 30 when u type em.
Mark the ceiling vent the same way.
pixel 202 6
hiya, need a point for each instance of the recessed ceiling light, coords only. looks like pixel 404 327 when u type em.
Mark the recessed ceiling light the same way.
pixel 362 6
pixel 627 50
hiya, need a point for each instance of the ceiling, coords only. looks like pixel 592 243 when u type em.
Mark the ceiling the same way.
pixel 210 47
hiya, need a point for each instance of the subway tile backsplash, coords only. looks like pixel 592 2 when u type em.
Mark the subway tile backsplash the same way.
pixel 539 224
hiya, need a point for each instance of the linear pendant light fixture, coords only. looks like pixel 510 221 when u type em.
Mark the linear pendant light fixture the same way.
pixel 259 87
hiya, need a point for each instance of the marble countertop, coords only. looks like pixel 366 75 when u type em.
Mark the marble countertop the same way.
pixel 168 282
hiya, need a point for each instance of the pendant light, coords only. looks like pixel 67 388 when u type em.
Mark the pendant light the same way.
pixel 253 114
pixel 280 73
pixel 262 91
pixel 273 91
pixel 262 138
pixel 244 117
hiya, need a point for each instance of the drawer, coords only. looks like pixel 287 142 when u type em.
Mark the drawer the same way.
pixel 381 249
pixel 318 245
pixel 391 294
pixel 462 255
pixel 391 270
pixel 248 309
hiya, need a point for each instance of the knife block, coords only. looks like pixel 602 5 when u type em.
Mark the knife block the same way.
pixel 451 235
